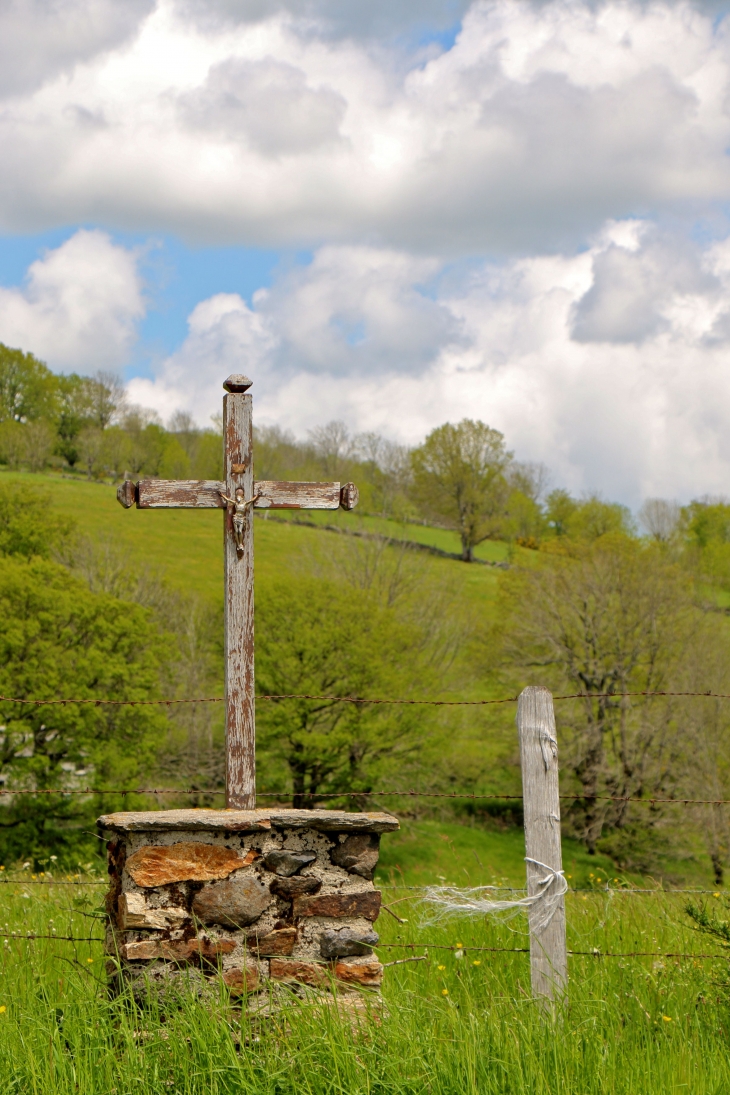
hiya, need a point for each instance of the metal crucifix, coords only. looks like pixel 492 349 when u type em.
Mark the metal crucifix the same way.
pixel 239 496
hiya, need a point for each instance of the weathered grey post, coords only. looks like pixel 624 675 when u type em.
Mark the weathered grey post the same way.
pixel 239 663
pixel 541 803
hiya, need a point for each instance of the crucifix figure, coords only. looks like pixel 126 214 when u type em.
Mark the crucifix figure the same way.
pixel 238 495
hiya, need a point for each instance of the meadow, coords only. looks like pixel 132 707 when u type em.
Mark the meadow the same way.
pixel 454 1024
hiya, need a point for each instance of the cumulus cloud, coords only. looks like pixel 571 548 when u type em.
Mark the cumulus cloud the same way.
pixel 41 38
pixel 630 416
pixel 267 104
pixel 79 306
pixel 534 127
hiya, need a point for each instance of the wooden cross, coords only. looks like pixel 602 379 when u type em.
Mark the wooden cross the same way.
pixel 238 563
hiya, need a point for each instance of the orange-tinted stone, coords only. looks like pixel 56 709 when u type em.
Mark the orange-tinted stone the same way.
pixel 365 972
pixel 340 904
pixel 178 950
pixel 184 862
pixel 306 973
pixel 274 943
pixel 240 981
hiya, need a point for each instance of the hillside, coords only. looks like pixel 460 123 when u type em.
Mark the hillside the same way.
pixel 439 839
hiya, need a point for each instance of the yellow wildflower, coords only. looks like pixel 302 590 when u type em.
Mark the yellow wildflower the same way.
pixel 442 967
pixel 667 1018
pixel 477 962
pixel 89 959
pixel 444 992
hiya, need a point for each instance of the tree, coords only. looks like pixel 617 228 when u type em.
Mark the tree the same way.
pixel 59 639
pixel 107 398
pixel 659 518
pixel 28 525
pixel 320 638
pixel 332 445
pixel 74 413
pixel 459 478
pixel 28 388
pixel 614 616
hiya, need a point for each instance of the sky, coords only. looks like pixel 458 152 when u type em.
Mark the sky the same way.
pixel 391 213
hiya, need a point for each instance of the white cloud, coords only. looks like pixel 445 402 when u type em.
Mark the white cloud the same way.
pixel 79 306
pixel 40 38
pixel 535 127
pixel 630 414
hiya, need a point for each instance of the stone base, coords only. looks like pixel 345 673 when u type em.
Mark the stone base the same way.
pixel 274 904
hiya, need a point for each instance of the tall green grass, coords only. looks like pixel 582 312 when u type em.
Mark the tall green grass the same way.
pixel 453 1025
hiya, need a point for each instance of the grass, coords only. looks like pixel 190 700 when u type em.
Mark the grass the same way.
pixel 655 1026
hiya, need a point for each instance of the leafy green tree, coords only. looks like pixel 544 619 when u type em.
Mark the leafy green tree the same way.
pixel 28 524
pixel 559 509
pixel 320 638
pixel 706 523
pixel 73 415
pixel 459 479
pixel 61 640
pixel 28 388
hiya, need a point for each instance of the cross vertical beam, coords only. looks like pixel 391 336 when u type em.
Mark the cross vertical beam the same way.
pixel 238 569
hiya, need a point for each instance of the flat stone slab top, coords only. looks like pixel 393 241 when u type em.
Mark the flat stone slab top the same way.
pixel 248 821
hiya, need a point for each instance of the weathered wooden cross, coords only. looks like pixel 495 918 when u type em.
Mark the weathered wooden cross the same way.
pixel 238 495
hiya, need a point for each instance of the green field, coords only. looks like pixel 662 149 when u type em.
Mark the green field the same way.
pixel 454 1026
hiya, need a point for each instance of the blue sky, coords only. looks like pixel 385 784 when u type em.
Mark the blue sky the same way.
pixel 393 215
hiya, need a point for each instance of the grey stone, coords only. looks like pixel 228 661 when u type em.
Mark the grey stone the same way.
pixel 233 903
pixel 347 942
pixel 287 863
pixel 247 821
pixel 358 854
pixel 289 888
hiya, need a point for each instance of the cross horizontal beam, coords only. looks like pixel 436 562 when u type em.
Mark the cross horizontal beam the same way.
pixel 208 494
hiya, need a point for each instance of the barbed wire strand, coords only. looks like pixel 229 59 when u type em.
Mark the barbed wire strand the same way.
pixel 595 953
pixel 357 699
pixel 649 800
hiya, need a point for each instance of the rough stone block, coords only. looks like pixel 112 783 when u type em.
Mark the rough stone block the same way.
pixel 358 854
pixel 234 903
pixel 289 888
pixel 178 950
pixel 286 863
pixel 241 981
pixel 366 904
pixel 347 942
pixel 159 865
pixel 367 972
pixel 134 912
pixel 279 942
pixel 305 973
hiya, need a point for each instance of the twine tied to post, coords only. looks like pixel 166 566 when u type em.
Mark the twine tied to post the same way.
pixel 452 901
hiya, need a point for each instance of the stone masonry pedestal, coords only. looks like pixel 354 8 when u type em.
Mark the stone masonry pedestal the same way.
pixel 277 903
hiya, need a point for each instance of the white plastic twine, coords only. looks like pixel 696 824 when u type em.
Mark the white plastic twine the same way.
pixel 450 901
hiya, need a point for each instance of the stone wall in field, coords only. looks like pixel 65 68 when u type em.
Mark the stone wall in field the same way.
pixel 272 903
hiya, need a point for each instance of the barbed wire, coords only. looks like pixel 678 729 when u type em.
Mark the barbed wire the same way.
pixel 649 800
pixel 596 952
pixel 86 701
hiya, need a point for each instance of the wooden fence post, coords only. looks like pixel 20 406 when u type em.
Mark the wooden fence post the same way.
pixel 541 802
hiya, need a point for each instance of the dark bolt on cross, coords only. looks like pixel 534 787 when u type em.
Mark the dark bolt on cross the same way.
pixel 238 495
